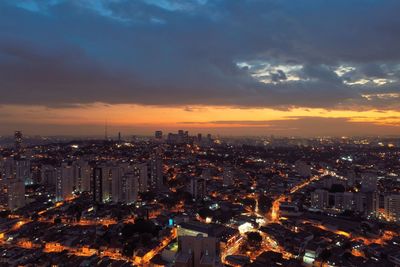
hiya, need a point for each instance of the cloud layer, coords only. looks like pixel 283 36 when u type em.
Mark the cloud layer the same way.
pixel 267 53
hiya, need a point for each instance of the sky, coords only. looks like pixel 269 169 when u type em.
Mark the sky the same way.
pixel 229 67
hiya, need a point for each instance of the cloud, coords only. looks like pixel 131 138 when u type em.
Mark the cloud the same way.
pixel 231 53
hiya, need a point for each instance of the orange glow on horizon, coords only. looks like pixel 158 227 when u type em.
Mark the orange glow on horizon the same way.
pixel 197 117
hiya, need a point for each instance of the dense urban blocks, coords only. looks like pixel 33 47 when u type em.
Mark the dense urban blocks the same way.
pixel 192 201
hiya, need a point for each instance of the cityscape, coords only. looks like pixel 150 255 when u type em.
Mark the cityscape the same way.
pixel 194 200
pixel 199 133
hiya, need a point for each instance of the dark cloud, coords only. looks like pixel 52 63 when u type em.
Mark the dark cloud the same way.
pixel 59 53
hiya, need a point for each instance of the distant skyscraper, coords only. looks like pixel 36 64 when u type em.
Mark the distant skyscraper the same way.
pixel 18 140
pixel 158 135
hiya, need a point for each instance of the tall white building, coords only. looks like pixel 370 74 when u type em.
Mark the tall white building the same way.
pixel 140 171
pixel 392 207
pixel 65 182
pixel 23 170
pixel 82 175
pixel 13 175
pixel 129 188
pixel 197 188
pixel 319 199
pixel 16 193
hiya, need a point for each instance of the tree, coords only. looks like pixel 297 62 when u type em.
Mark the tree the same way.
pixel 264 203
pixel 325 255
pixel 254 239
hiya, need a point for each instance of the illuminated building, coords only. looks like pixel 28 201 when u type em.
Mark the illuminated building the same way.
pixel 140 172
pixel 23 170
pixel 48 175
pixel 129 188
pixel 319 199
pixel 369 181
pixel 117 182
pixel 182 137
pixel 82 175
pixel 18 141
pixel 16 193
pixel 107 177
pixel 197 188
pixel 392 207
pixel 227 177
pixel 156 173
pixel 65 182
pixel 97 184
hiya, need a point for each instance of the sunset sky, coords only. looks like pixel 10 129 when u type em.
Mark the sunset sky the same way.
pixel 245 67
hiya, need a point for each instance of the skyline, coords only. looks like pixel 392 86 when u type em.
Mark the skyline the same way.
pixel 225 67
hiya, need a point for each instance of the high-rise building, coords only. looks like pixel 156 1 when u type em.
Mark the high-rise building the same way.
pixel 16 193
pixel 118 184
pixel 156 173
pixel 348 201
pixel 392 207
pixel 129 188
pixel 158 135
pixel 18 141
pixel 319 199
pixel 227 176
pixel 360 202
pixel 197 188
pixel 106 183
pixel 369 181
pixel 48 175
pixel 23 170
pixel 65 182
pixel 140 172
pixel 83 173
pixel 97 184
